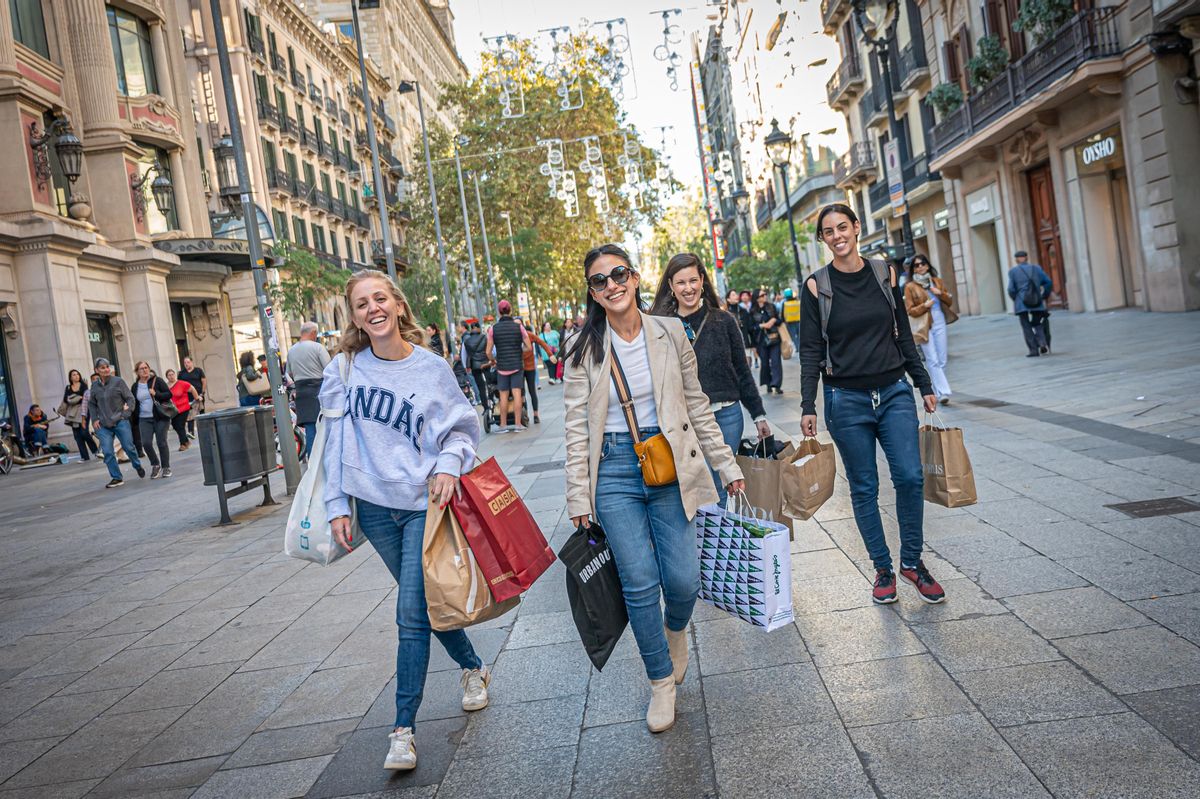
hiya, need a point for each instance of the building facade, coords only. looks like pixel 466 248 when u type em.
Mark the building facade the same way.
pixel 725 158
pixel 1083 149
pixel 80 274
pixel 857 89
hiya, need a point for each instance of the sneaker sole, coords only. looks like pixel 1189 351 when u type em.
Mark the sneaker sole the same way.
pixel 894 598
pixel 924 598
pixel 399 766
pixel 473 708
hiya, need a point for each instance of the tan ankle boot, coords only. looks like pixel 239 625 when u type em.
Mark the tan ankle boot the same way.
pixel 660 716
pixel 678 645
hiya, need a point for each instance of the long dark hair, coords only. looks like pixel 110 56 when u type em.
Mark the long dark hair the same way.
pixel 595 321
pixel 75 372
pixel 665 303
pixel 912 265
pixel 835 208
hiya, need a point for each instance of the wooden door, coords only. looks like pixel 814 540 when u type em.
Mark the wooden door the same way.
pixel 1045 226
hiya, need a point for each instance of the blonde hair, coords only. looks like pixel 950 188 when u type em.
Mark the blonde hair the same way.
pixel 355 339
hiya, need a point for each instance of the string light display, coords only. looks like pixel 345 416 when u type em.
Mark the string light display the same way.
pixel 506 75
pixel 563 68
pixel 593 166
pixel 630 160
pixel 666 51
pixel 614 60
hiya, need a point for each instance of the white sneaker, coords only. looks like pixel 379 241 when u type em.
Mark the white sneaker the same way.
pixel 402 755
pixel 474 685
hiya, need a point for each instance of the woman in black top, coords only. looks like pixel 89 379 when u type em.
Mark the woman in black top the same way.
pixel 76 414
pixel 148 392
pixel 765 321
pixel 716 335
pixel 867 398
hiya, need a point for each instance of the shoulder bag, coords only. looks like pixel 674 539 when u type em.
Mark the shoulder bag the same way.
pixel 259 387
pixel 654 454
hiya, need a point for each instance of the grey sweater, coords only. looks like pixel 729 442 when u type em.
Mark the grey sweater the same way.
pixel 110 401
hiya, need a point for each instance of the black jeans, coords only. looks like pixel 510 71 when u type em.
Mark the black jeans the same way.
pixel 480 378
pixel 1035 325
pixel 179 425
pixel 770 361
pixel 154 431
pixel 531 387
pixel 85 442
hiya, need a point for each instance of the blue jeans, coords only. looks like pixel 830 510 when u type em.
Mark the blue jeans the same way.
pixel 794 333
pixel 770 361
pixel 123 433
pixel 730 420
pixel 310 433
pixel 397 536
pixel 248 401
pixel 857 419
pixel 654 545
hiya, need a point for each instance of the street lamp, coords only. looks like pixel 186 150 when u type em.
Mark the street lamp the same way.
pixel 461 141
pixel 227 181
pixel 877 20
pixel 160 189
pixel 487 250
pixel 779 150
pixel 405 87
pixel 283 421
pixel 741 200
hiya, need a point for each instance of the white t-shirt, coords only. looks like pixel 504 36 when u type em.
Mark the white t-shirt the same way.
pixel 636 363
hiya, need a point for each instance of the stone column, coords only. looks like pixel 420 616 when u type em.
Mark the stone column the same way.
pixel 8 50
pixel 183 203
pixel 162 72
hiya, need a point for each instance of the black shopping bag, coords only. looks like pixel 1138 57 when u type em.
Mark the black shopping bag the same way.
pixel 594 590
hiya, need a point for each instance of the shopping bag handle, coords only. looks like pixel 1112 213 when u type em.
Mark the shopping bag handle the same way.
pixel 936 418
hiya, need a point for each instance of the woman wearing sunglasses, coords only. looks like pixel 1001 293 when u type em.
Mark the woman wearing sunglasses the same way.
pixel 648 525
pixel 930 308
pixel 686 292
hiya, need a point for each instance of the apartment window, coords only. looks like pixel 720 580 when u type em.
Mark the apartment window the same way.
pixel 308 72
pixel 318 237
pixel 362 254
pixel 131 49
pixel 317 129
pixel 291 58
pixel 289 160
pixel 347 29
pixel 310 174
pixel 281 103
pixel 325 185
pixel 274 47
pixel 156 221
pixel 269 160
pixel 261 89
pixel 300 231
pixel 29 27
pixel 333 245
pixel 341 195
pixel 253 25
pixel 349 251
pixel 281 225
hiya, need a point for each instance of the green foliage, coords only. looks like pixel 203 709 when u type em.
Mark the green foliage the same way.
pixel 549 246
pixel 304 281
pixel 987 64
pixel 945 98
pixel 1043 18
pixel 682 228
pixel 771 266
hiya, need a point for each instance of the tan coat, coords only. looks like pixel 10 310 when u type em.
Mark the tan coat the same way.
pixel 915 297
pixel 684 417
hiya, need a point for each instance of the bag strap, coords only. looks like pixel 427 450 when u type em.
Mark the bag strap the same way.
pixel 344 363
pixel 825 303
pixel 622 386
pixel 883 275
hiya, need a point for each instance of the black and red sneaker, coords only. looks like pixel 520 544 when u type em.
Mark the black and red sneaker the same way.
pixel 884 592
pixel 923 581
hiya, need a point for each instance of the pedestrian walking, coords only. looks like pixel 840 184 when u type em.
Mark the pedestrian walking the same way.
pixel 250 381
pixel 110 406
pixel 550 359
pixel 529 366
pixel 791 317
pixel 860 347
pixel 649 527
pixel 506 341
pixel 35 429
pixel 687 293
pixel 433 335
pixel 475 357
pixel 766 321
pixel 749 330
pixel 149 391
pixel 306 362
pixel 74 412
pixel 1029 286
pixel 392 456
pixel 193 374
pixel 183 394
pixel 930 308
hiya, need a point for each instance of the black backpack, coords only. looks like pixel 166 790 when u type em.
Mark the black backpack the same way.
pixel 825 302
pixel 1031 295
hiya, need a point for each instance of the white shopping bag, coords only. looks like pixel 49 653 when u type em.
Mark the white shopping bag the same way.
pixel 745 565
pixel 308 535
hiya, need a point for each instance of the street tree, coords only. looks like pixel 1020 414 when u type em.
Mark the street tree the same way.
pixel 304 281
pixel 770 264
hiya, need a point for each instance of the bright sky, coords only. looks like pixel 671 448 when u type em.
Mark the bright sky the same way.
pixel 786 92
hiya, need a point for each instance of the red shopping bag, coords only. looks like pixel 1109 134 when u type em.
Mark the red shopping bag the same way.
pixel 506 541
pixel 558 369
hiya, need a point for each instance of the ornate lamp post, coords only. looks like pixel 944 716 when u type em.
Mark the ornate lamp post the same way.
pixel 779 150
pixel 741 200
pixel 877 21
pixel 160 189
pixel 69 150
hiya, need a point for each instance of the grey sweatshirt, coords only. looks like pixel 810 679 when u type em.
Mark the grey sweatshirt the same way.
pixel 403 422
pixel 109 401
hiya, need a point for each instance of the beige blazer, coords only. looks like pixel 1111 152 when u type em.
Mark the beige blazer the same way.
pixel 684 417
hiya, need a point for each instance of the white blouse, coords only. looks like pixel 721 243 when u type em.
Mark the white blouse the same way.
pixel 636 363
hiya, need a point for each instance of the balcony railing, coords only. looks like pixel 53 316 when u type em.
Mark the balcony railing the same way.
pixel 345 117
pixel 280 180
pixel 848 77
pixel 360 139
pixel 337 207
pixel 328 152
pixel 256 45
pixel 331 107
pixel 279 64
pixel 858 160
pixel 298 80
pixel 289 127
pixel 1090 34
pixel 913 66
pixel 321 201
pixel 356 92
pixel 831 10
pixel 873 104
pixel 310 141
pixel 314 94
pixel 268 113
pixel 916 174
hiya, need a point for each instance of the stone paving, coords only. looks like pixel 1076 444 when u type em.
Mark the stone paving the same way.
pixel 144 652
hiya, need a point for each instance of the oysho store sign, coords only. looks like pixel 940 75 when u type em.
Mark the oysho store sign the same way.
pixel 1100 152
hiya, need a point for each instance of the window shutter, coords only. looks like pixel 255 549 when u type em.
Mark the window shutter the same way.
pixel 995 21
pixel 950 57
pixel 1016 39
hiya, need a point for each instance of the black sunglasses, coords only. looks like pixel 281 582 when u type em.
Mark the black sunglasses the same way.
pixel 619 274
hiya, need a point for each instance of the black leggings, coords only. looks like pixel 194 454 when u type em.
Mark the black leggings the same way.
pixel 481 386
pixel 531 387
pixel 154 431
pixel 84 440
pixel 179 425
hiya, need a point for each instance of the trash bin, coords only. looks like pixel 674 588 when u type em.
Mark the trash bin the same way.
pixel 245 443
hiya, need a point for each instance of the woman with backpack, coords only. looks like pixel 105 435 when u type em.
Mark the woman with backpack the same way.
pixel 930 308
pixel 632 378
pixel 855 338
pixel 400 434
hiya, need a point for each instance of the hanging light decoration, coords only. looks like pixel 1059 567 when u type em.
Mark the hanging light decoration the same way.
pixel 614 59
pixel 593 166
pixel 630 160
pixel 506 74
pixel 562 68
pixel 666 51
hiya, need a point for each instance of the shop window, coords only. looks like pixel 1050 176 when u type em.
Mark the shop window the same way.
pixel 134 56
pixel 101 340
pixel 156 220
pixel 8 409
pixel 29 26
